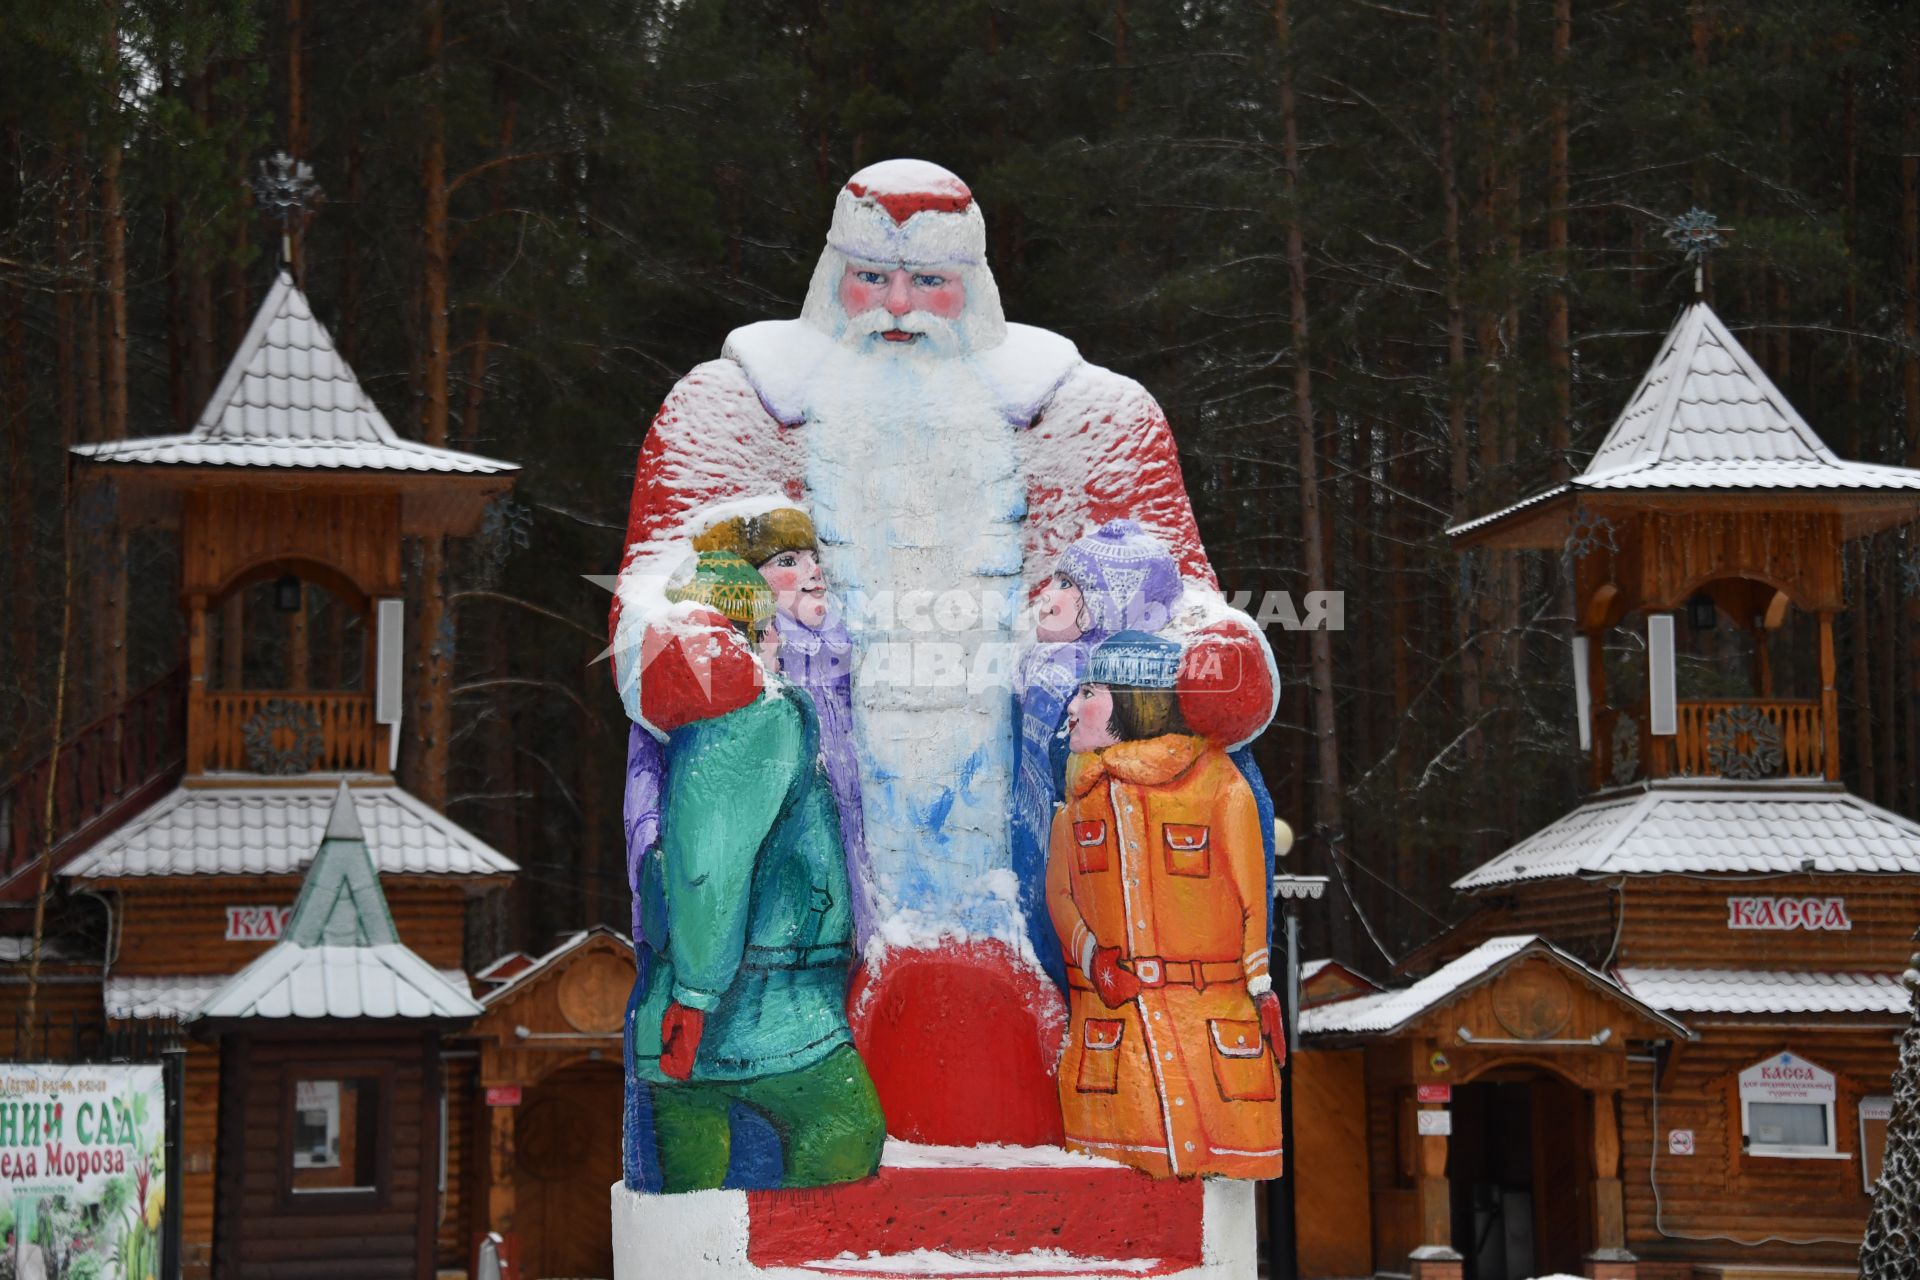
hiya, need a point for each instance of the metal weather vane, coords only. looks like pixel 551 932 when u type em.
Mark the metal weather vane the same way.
pixel 1697 234
pixel 287 187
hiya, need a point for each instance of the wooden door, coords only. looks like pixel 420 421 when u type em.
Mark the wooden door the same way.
pixel 1562 1175
pixel 567 1155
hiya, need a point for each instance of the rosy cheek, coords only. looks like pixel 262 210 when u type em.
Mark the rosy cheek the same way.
pixel 857 296
pixel 947 301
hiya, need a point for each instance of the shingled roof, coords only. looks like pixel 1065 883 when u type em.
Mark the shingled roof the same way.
pixel 1707 417
pixel 289 400
pixel 199 831
pixel 1701 826
pixel 340 956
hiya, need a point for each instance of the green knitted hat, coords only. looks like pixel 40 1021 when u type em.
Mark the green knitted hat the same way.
pixel 724 582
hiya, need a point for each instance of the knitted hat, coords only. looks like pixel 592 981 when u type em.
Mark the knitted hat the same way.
pixel 758 539
pixel 1135 660
pixel 724 582
pixel 1126 576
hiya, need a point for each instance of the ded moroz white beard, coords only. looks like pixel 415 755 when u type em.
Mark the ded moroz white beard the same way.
pixel 917 496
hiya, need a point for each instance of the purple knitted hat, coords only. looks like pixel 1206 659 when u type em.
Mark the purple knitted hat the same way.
pixel 1126 575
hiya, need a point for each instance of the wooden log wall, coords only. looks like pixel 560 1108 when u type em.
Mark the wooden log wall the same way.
pixel 465 1166
pixel 1721 1192
pixel 178 924
pixel 1330 1140
pixel 1674 921
pixel 261 1232
pixel 1392 1156
pixel 225 531
pixel 199 1147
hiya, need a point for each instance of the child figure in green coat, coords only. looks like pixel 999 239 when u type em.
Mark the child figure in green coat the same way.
pixel 740 1019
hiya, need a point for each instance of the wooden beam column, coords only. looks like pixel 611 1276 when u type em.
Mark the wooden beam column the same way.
pixel 1600 749
pixel 1829 697
pixel 196 685
pixel 500 1156
pixel 1609 1259
pixel 1436 1258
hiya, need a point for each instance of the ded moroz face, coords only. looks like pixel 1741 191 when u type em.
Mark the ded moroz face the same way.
pixel 799 586
pixel 900 299
pixel 1090 718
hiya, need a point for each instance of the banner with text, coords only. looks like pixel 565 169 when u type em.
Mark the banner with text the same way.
pixel 82 1170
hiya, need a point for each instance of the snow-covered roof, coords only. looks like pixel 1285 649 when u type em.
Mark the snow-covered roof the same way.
pixel 1765 991
pixel 1706 416
pixel 275 830
pixel 569 944
pixel 1388 1011
pixel 288 399
pixel 19 948
pixel 175 995
pixel 340 956
pixel 1680 827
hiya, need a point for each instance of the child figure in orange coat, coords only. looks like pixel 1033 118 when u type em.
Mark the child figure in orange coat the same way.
pixel 1156 884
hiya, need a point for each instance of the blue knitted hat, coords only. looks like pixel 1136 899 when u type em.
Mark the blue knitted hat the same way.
pixel 1135 660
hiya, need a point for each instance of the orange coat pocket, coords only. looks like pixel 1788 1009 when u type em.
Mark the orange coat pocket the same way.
pixel 1090 844
pixel 1241 1065
pixel 1100 1056
pixel 1187 848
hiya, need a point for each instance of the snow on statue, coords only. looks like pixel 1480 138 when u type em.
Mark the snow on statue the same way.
pixel 947 458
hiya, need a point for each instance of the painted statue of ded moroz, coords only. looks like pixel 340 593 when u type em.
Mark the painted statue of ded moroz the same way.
pixel 948 460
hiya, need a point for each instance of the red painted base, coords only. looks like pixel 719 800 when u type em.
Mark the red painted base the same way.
pixel 961 1043
pixel 1107 1212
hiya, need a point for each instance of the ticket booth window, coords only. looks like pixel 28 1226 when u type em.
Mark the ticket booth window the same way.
pixel 1789 1124
pixel 1786 1107
pixel 335 1141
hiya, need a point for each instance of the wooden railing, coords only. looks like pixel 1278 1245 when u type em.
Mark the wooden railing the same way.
pixel 107 771
pixel 1798 736
pixel 285 733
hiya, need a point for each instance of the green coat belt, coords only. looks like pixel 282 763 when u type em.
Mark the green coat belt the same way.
pixel 748 887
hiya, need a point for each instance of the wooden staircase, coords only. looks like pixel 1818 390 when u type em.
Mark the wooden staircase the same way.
pixel 108 771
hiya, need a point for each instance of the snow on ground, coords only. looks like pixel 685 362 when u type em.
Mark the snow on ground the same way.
pixel 915 1155
pixel 938 1262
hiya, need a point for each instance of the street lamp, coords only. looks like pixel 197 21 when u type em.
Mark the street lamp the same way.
pixel 1283 1261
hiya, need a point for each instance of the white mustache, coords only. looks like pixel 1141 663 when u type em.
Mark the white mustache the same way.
pixel 938 330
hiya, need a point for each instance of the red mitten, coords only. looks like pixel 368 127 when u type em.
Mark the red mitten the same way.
pixel 1225 685
pixel 1272 1024
pixel 1115 985
pixel 680 1029
pixel 695 668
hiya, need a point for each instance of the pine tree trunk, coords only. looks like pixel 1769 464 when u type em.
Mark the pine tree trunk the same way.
pixel 111 582
pixel 433 727
pixel 1458 447
pixel 16 408
pixel 1910 374
pixel 1327 805
pixel 1559 171
pixel 297 132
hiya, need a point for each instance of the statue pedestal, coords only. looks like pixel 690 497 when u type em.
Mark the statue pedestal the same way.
pixel 935 1212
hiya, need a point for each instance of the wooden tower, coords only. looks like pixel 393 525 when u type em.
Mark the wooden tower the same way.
pixel 1660 1044
pixel 1711 498
pixel 290 497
